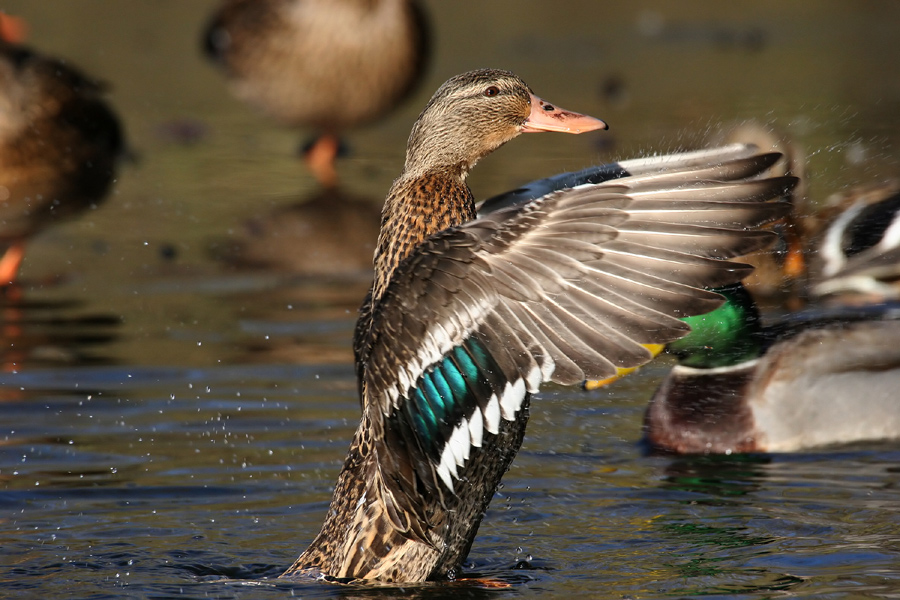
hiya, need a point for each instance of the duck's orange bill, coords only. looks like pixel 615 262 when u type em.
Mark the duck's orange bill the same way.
pixel 547 117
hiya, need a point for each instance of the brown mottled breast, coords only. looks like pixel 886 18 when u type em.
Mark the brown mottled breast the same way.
pixel 59 142
pixel 415 209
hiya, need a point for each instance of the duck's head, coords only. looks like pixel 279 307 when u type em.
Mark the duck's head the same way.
pixel 473 114
pixel 730 335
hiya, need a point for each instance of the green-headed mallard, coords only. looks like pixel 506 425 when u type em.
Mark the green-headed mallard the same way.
pixel 815 378
pixel 468 316
pixel 59 147
pixel 325 64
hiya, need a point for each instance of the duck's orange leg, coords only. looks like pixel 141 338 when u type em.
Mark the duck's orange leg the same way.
pixel 12 29
pixel 9 264
pixel 320 159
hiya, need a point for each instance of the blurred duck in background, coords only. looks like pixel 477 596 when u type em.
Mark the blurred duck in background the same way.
pixel 780 272
pixel 845 248
pixel 59 144
pixel 329 65
pixel 860 251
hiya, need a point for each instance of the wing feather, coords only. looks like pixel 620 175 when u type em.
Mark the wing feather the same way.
pixel 564 286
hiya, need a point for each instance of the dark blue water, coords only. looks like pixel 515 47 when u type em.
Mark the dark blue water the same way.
pixel 172 428
pixel 206 482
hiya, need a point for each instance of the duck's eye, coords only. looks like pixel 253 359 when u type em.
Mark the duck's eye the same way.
pixel 492 91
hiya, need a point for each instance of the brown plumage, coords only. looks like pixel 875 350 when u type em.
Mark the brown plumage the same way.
pixel 59 146
pixel 329 65
pixel 467 317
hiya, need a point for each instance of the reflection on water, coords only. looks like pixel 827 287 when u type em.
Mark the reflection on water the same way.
pixel 306 322
pixel 52 334
pixel 766 522
pixel 331 233
pixel 718 476
pixel 170 424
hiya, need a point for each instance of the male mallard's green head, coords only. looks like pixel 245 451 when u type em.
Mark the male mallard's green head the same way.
pixel 724 337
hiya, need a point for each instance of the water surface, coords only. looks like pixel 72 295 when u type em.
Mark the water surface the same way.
pixel 171 427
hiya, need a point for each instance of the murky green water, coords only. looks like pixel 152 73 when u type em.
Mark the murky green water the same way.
pixel 169 427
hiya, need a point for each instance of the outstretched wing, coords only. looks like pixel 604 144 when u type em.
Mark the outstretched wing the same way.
pixel 568 286
pixel 744 160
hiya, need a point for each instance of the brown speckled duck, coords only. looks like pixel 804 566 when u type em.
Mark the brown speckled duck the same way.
pixel 59 147
pixel 325 64
pixel 468 316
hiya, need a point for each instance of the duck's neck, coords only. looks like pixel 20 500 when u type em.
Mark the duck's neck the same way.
pixel 417 207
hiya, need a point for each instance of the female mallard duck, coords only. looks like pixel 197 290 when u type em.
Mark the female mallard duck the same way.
pixel 468 316
pixel 326 64
pixel 813 379
pixel 59 146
